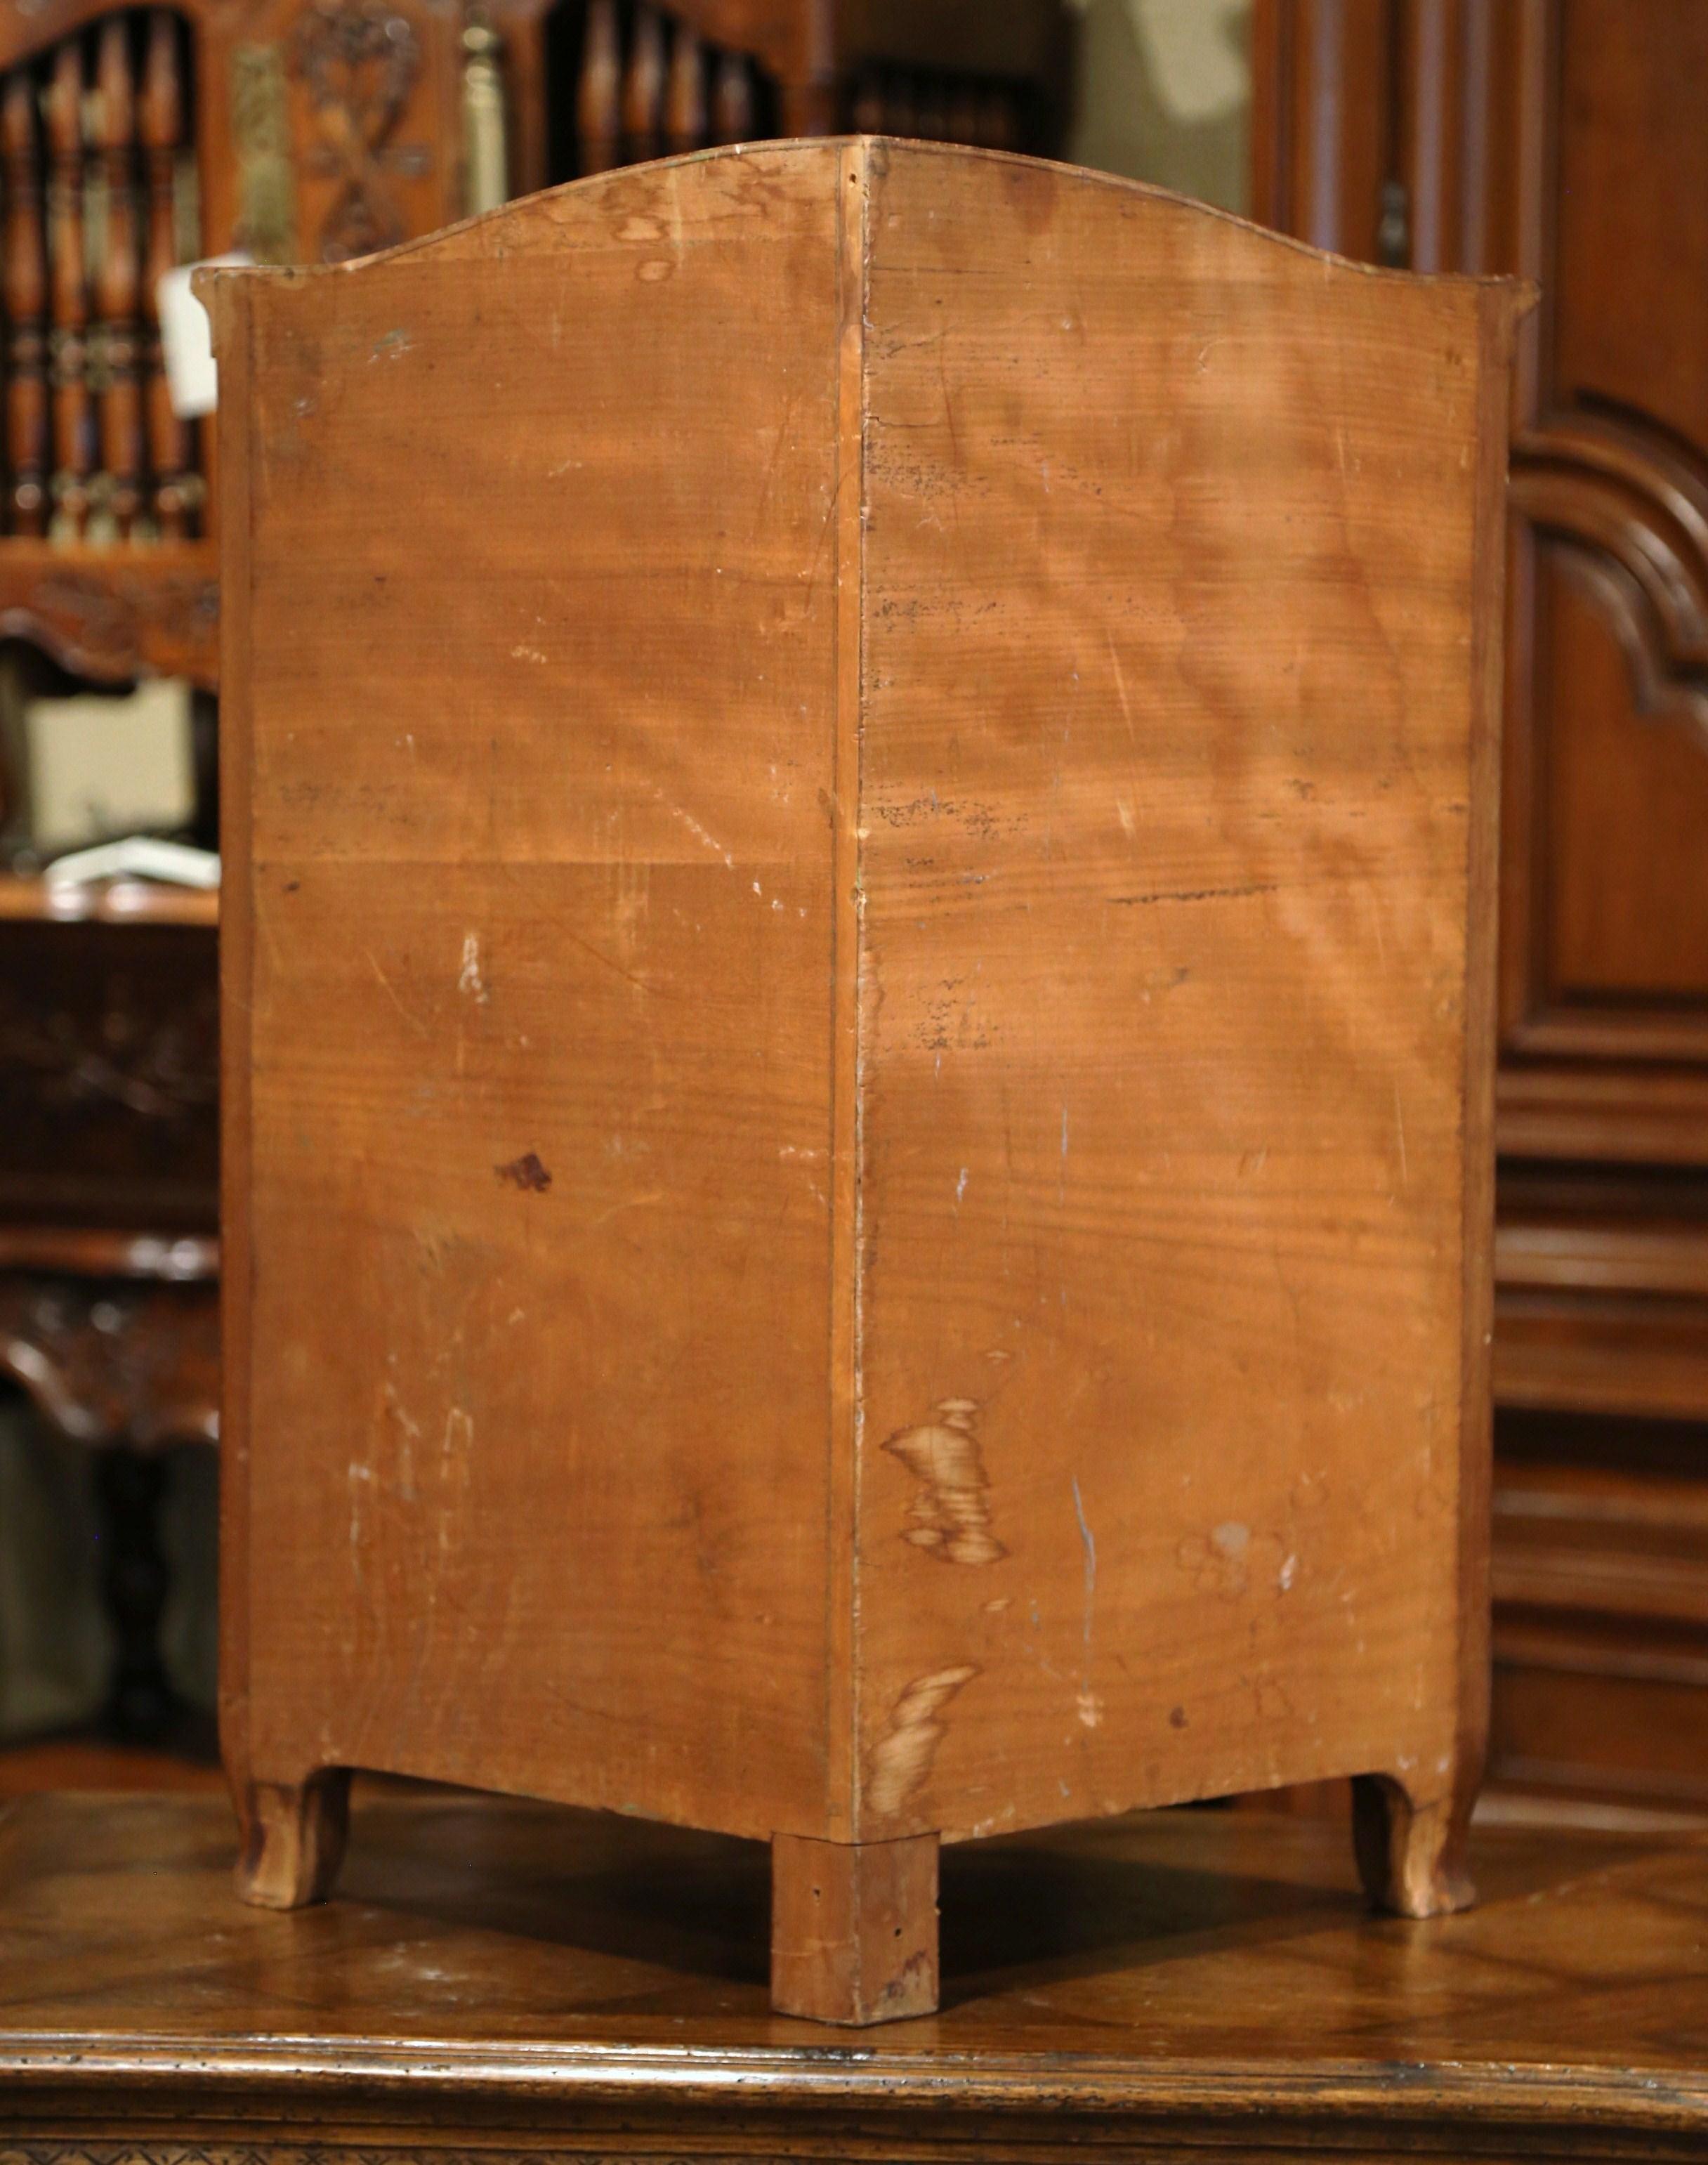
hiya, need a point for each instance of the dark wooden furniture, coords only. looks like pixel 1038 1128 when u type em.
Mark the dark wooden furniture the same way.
pixel 857 1092
pixel 308 130
pixel 505 1982
pixel 1565 141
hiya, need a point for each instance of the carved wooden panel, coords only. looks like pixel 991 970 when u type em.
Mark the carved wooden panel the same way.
pixel 109 1067
pixel 1563 139
pixel 115 1361
pixel 1607 948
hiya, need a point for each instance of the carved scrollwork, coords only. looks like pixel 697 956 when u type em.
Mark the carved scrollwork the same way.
pixel 112 1361
pixel 358 60
pixel 158 1065
pixel 115 627
pixel 1633 506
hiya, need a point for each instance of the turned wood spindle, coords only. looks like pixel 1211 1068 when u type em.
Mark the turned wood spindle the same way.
pixel 599 92
pixel 116 279
pixel 68 340
pixel 732 100
pixel 485 134
pixel 684 97
pixel 998 122
pixel 932 123
pixel 644 86
pixel 962 118
pixel 161 114
pixel 25 290
pixel 867 111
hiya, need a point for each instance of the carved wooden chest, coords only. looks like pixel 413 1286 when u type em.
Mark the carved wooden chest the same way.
pixel 860 787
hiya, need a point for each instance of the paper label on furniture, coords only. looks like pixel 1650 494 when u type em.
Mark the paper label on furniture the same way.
pixel 187 341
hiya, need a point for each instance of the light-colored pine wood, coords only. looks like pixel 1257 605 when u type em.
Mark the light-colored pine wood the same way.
pixel 862 791
pixel 853 1928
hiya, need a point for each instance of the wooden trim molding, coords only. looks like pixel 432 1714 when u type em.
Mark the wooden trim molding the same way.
pixel 1626 1114
pixel 102 616
pixel 115 1361
pixel 1604 1353
pixel 1628 498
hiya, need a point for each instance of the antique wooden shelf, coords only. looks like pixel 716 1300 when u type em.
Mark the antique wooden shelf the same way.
pixel 107 902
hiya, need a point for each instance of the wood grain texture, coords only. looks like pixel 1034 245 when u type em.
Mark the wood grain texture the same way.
pixel 865 1170
pixel 509 1983
pixel 553 878
pixel 1178 725
pixel 853 1928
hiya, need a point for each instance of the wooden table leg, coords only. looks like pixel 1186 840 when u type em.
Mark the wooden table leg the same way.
pixel 853 1928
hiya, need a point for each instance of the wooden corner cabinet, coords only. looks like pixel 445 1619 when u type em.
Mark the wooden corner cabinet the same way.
pixel 131 139
pixel 858 1099
pixel 1563 139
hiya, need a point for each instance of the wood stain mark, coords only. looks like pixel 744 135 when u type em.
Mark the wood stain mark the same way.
pixel 527 1174
pixel 901 1759
pixel 1196 894
pixel 951 1513
pixel 390 990
pixel 1231 1560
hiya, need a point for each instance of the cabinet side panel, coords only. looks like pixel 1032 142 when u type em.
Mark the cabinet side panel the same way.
pixel 541 681
pixel 1171 699
pixel 230 313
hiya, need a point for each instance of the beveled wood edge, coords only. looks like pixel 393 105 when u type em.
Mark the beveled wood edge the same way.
pixel 33 900
pixel 181 1259
pixel 432 2073
pixel 1523 295
pixel 229 317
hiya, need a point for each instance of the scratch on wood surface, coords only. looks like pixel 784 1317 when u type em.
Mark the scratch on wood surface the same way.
pixel 1400 1133
pixel 408 1436
pixel 951 1513
pixel 390 991
pixel 627 1203
pixel 360 1478
pixel 700 834
pixel 1120 684
pixel 456 1458
pixel 901 1759
pixel 1091 1707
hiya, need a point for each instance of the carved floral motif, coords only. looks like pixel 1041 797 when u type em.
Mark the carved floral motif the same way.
pixel 358 60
